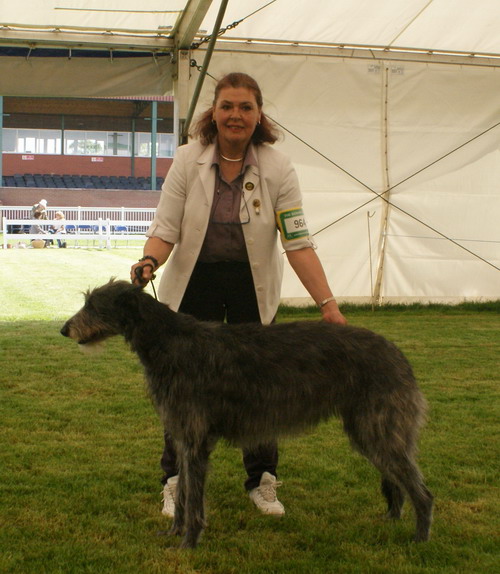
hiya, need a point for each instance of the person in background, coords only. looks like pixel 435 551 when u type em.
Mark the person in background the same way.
pixel 59 228
pixel 41 208
pixel 226 198
pixel 38 229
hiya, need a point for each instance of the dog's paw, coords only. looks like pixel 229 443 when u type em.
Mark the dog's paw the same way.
pixel 176 530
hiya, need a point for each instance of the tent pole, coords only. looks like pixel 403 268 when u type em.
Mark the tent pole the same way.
pixel 132 154
pixel 368 217
pixel 154 139
pixel 377 297
pixel 1 141
pixel 181 94
pixel 204 69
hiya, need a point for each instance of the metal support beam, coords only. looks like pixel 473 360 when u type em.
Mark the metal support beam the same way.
pixel 132 155
pixel 378 55
pixel 1 140
pixel 181 94
pixel 154 138
pixel 184 33
pixel 187 27
pixel 203 73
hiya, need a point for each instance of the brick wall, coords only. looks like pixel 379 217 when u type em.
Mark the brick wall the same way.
pixel 81 165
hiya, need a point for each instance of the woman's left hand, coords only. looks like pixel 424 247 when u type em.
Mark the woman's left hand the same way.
pixel 331 314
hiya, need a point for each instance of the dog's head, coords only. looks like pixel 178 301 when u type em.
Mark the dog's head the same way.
pixel 107 312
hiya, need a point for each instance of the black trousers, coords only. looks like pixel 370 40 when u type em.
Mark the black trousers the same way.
pixel 224 292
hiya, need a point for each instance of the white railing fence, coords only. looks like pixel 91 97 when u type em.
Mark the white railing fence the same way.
pixel 83 224
pixel 82 213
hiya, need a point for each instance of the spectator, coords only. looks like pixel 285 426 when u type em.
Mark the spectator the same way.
pixel 37 228
pixel 41 208
pixel 59 228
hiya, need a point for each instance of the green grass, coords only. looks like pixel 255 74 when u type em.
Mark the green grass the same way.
pixel 80 443
pixel 48 283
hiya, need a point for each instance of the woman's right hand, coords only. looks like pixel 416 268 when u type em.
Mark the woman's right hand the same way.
pixel 141 273
pixel 156 252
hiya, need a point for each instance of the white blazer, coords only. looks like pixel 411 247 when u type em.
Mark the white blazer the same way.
pixel 183 213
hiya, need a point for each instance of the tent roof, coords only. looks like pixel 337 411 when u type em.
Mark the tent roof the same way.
pixel 69 41
pixel 453 26
pixel 438 25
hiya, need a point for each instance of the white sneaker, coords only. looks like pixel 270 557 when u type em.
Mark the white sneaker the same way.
pixel 264 496
pixel 169 497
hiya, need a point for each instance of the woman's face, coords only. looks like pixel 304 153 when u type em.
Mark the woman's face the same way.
pixel 236 114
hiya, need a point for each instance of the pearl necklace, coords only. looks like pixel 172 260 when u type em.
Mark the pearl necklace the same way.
pixel 229 159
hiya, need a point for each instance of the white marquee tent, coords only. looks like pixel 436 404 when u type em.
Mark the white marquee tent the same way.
pixel 390 110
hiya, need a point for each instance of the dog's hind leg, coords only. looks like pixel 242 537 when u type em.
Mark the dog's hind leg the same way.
pixel 395 497
pixel 404 472
pixel 421 498
pixel 393 456
pixel 195 465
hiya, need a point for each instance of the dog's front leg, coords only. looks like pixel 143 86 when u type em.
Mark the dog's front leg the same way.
pixel 177 528
pixel 196 461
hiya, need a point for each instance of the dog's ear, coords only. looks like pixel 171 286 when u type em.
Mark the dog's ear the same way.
pixel 127 303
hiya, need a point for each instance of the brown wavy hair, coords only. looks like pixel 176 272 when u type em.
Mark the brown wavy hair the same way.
pixel 206 130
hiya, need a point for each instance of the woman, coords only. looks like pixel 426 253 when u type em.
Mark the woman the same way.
pixel 222 202
pixel 38 229
pixel 59 228
pixel 41 208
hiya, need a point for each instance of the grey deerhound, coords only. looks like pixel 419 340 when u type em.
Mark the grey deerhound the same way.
pixel 251 383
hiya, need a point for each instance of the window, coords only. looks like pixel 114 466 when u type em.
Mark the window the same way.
pixel 84 143
pixel 49 141
pixel 79 142
pixel 31 141
pixel 26 141
pixel 165 145
pixel 9 140
pixel 118 143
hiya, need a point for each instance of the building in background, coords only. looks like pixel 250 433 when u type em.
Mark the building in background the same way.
pixel 86 141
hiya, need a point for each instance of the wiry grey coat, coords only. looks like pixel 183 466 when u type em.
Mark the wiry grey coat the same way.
pixel 250 383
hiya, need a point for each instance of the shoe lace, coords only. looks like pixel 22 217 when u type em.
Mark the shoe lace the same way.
pixel 169 492
pixel 268 491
